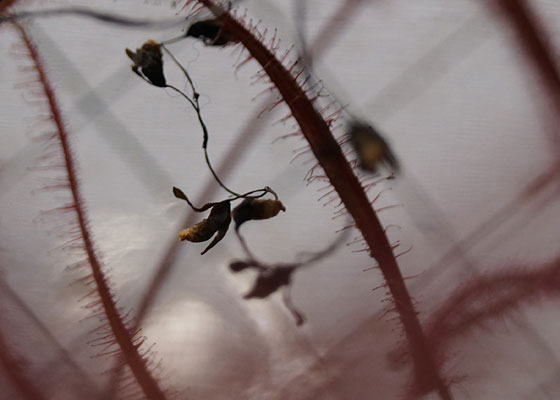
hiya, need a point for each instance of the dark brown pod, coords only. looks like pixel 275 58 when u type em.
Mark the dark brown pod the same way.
pixel 210 32
pixel 254 209
pixel 217 222
pixel 371 148
pixel 148 59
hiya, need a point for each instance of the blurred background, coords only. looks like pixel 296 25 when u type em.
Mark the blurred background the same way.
pixel 451 89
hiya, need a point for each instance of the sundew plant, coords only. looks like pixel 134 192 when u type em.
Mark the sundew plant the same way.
pixel 279 200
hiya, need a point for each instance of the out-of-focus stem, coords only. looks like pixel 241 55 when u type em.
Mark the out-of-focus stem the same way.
pixel 11 365
pixel 330 156
pixel 534 42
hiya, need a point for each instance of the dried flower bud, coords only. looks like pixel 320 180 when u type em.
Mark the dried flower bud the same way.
pixel 217 222
pixel 269 281
pixel 253 209
pixel 211 33
pixel 148 59
pixel 371 148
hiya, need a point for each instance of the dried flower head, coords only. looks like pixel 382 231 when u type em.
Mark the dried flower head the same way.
pixel 253 209
pixel 371 148
pixel 148 59
pixel 217 222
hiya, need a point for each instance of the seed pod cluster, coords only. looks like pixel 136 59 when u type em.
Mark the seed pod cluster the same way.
pixel 221 215
pixel 148 62
pixel 255 209
pixel 371 148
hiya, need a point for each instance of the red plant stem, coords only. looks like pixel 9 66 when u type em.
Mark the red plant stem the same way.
pixel 533 39
pixel 332 160
pixel 122 335
pixel 12 367
pixel 491 296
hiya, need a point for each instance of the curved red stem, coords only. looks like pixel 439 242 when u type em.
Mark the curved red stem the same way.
pixel 123 336
pixel 534 41
pixel 332 160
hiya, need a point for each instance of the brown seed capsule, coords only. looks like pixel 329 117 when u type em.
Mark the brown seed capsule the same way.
pixel 148 59
pixel 253 209
pixel 200 232
pixel 217 222
pixel 371 148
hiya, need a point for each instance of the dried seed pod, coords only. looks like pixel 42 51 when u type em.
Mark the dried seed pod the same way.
pixel 217 222
pixel 371 148
pixel 210 32
pixel 253 209
pixel 148 59
pixel 270 280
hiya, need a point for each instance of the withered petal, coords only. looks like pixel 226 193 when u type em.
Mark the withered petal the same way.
pixel 180 195
pixel 221 233
pixel 131 55
pixel 218 221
